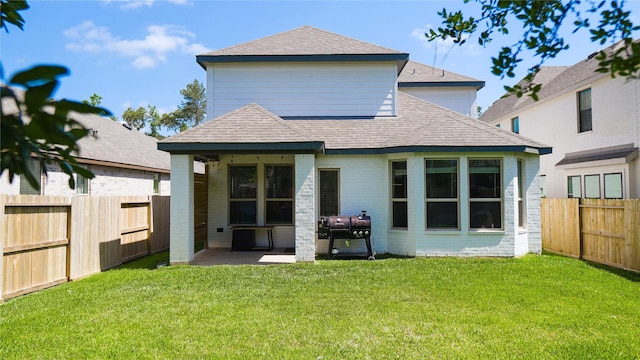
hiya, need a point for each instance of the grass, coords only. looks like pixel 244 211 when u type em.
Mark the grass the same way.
pixel 532 307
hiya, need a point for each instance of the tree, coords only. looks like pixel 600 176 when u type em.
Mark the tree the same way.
pixel 541 22
pixel 94 100
pixel 155 122
pixel 192 110
pixel 135 118
pixel 33 124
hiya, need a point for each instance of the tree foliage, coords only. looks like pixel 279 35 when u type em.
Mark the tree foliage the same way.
pixel 33 124
pixel 541 23
pixel 192 110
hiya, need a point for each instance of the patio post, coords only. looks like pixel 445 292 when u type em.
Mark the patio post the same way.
pixel 182 217
pixel 305 208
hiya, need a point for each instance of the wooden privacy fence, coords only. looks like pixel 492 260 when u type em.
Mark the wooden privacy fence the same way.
pixel 603 231
pixel 47 240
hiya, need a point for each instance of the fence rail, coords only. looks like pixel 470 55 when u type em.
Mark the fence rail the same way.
pixel 48 240
pixel 603 231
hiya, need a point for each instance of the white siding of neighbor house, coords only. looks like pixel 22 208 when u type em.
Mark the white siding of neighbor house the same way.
pixel 460 99
pixel 304 89
pixel 365 185
pixel 109 181
pixel 616 121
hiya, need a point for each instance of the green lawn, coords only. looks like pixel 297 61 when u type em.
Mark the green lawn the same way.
pixel 536 307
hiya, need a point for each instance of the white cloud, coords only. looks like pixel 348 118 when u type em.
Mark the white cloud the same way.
pixel 146 52
pixel 136 4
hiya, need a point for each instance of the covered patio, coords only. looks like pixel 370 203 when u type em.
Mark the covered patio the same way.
pixel 222 256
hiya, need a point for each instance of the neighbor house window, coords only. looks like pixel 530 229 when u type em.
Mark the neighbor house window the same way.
pixel 613 186
pixel 279 194
pixel 522 196
pixel 442 194
pixel 329 192
pixel 156 183
pixel 242 194
pixel 485 193
pixel 584 111
pixel 543 186
pixel 574 189
pixel 33 166
pixel 82 184
pixel 592 186
pixel 515 125
pixel 399 194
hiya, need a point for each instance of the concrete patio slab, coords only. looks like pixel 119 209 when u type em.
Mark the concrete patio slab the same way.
pixel 223 256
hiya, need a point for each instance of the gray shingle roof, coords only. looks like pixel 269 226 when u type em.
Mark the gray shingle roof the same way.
pixel 555 81
pixel 420 124
pixel 418 74
pixel 305 40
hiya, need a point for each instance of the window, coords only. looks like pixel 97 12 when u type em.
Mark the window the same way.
pixel 82 184
pixel 592 186
pixel 442 194
pixel 242 195
pixel 515 125
pixel 573 187
pixel 522 196
pixel 543 186
pixel 329 192
pixel 613 186
pixel 34 168
pixel 584 111
pixel 156 183
pixel 399 194
pixel 279 194
pixel 485 193
pixel 498 125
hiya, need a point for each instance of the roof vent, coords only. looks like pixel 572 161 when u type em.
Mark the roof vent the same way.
pixel 127 126
pixel 592 55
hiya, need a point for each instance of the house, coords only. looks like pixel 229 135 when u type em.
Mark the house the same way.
pixel 445 88
pixel 123 160
pixel 593 123
pixel 308 123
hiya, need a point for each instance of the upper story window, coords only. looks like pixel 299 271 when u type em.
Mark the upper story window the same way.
pixel 515 125
pixel 584 110
pixel 399 194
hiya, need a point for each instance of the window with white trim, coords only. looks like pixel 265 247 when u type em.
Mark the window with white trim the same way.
pixel 442 201
pixel 592 186
pixel 574 189
pixel 522 196
pixel 279 194
pixel 485 193
pixel 399 195
pixel 82 185
pixel 33 166
pixel 515 125
pixel 242 195
pixel 329 192
pixel 613 186
pixel 584 111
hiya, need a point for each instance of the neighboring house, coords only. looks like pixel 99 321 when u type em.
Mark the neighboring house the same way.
pixel 593 123
pixel 123 160
pixel 454 91
pixel 308 123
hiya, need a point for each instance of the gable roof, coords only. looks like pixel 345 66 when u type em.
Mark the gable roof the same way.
pixel 555 81
pixel 109 143
pixel 303 44
pixel 415 74
pixel 420 126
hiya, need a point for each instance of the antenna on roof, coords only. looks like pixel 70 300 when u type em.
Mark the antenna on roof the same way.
pixel 127 126
pixel 592 55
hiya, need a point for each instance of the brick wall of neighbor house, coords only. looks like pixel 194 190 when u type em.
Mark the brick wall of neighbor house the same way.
pixel 8 188
pixel 111 181
pixel 615 113
pixel 460 99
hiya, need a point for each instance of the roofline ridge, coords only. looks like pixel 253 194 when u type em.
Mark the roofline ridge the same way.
pixel 280 120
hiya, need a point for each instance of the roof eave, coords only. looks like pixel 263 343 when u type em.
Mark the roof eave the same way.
pixel 476 84
pixel 439 148
pixel 308 147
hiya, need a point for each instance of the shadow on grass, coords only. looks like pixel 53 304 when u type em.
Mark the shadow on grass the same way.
pixel 149 262
pixel 627 274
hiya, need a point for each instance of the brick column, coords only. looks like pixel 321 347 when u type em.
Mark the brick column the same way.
pixel 305 208
pixel 181 232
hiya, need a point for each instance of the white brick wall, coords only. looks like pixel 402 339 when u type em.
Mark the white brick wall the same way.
pixel 181 207
pixel 305 219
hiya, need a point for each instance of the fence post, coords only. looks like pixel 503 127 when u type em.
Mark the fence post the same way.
pixel 632 234
pixel 3 199
pixel 579 221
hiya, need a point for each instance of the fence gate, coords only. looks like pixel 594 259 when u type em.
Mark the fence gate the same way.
pixel 35 243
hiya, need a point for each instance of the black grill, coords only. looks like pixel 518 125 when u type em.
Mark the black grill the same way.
pixel 348 228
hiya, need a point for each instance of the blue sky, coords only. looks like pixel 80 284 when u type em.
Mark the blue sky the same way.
pixel 140 52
